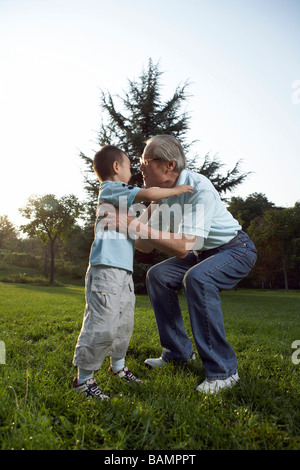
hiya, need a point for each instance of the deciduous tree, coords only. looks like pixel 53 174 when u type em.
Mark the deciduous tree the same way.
pixel 51 219
pixel 278 233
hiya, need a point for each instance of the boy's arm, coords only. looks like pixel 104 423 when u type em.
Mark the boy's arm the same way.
pixel 154 194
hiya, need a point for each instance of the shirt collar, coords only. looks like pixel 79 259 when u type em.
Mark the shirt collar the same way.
pixel 181 178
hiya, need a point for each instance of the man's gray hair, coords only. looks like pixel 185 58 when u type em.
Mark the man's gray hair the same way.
pixel 167 147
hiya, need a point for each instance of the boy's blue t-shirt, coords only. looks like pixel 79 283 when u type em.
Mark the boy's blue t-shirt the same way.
pixel 112 248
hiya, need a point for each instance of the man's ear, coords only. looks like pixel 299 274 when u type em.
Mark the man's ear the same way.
pixel 170 165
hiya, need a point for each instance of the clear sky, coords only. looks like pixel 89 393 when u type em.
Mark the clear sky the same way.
pixel 241 57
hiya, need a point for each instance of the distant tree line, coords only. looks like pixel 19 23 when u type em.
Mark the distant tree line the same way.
pixel 276 234
pixel 274 230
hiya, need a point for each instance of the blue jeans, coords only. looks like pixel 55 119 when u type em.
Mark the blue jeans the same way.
pixel 202 277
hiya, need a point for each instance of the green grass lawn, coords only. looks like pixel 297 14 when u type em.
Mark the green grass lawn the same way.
pixel 38 410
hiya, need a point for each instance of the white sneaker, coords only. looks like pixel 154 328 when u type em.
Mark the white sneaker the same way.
pixel 214 386
pixel 155 362
pixel 90 389
pixel 160 362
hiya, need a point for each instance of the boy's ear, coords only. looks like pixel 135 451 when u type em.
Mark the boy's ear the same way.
pixel 115 167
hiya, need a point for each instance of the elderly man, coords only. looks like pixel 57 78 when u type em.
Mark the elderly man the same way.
pixel 209 252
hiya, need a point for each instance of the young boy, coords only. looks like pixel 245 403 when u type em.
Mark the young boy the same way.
pixel 109 313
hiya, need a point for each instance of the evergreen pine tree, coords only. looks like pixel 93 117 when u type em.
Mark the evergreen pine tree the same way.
pixel 145 114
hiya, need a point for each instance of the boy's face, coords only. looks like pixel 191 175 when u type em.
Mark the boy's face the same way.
pixel 124 170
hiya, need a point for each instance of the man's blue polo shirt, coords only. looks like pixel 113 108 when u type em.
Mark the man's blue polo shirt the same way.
pixel 201 213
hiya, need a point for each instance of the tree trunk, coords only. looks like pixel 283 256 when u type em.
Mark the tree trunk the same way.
pixel 286 282
pixel 52 253
pixel 46 261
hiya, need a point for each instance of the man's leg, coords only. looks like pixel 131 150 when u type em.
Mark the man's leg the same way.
pixel 162 281
pixel 202 285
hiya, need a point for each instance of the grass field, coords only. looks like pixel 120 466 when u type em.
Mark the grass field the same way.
pixel 39 326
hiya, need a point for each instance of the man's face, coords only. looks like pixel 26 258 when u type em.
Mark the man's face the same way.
pixel 153 170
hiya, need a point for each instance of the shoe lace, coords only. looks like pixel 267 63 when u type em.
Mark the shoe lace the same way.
pixel 94 390
pixel 129 375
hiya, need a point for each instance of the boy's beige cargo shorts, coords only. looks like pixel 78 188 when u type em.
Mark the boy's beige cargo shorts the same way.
pixel 108 318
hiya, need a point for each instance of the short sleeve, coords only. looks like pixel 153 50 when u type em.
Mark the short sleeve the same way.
pixel 197 214
pixel 118 193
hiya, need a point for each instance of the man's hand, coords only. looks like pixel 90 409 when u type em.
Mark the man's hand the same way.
pixel 112 218
pixel 120 221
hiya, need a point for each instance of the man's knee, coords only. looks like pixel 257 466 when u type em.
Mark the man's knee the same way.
pixel 192 279
pixel 159 274
pixel 152 274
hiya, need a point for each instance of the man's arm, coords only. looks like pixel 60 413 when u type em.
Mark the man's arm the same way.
pixel 175 244
pixel 147 238
pixel 145 216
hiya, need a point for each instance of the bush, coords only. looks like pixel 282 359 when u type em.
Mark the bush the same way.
pixel 139 277
pixel 66 268
pixel 24 260
pixel 23 278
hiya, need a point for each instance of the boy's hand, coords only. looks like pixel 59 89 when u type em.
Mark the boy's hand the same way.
pixel 183 188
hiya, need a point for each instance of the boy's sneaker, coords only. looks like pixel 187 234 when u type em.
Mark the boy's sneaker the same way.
pixel 125 375
pixel 214 386
pixel 90 389
pixel 160 362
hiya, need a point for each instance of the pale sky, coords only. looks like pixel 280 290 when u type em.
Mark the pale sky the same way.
pixel 241 57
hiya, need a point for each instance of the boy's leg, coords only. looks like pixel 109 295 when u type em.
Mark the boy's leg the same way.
pixel 98 328
pixel 100 320
pixel 117 363
pixel 84 375
pixel 124 331
pixel 125 317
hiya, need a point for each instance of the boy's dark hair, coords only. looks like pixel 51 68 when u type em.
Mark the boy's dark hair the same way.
pixel 104 159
